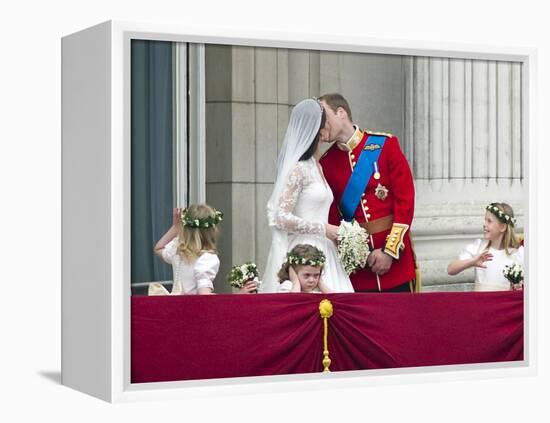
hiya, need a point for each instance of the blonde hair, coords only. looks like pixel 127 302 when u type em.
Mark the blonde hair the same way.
pixel 194 241
pixel 306 251
pixel 510 239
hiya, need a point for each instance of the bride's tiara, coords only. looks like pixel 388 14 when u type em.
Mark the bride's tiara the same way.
pixel 319 103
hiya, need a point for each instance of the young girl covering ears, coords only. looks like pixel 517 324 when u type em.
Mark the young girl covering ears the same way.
pixel 301 271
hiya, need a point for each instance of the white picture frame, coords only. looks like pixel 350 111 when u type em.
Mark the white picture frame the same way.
pixel 96 161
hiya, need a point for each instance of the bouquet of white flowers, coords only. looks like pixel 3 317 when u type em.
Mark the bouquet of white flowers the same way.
pixel 514 273
pixel 240 275
pixel 353 247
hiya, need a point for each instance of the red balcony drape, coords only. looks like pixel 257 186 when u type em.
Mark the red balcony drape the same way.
pixel 202 337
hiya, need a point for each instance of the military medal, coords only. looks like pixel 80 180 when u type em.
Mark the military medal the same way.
pixel 381 192
pixel 376 173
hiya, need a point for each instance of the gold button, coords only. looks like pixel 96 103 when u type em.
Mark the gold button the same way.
pixel 364 201
pixel 352 156
pixel 353 163
pixel 362 195
pixel 368 216
pixel 366 208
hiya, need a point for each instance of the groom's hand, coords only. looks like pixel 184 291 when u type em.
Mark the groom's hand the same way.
pixel 379 262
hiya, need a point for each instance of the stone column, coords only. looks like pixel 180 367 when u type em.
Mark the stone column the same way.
pixel 372 84
pixel 464 143
pixel 249 94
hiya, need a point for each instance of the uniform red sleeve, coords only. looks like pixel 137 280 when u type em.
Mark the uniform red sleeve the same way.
pixel 402 184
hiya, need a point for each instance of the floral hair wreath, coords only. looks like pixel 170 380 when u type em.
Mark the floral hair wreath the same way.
pixel 500 215
pixel 302 261
pixel 204 222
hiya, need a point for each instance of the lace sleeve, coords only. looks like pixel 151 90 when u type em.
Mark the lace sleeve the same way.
pixel 285 220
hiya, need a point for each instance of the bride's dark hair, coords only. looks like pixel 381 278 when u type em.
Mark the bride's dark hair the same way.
pixel 313 147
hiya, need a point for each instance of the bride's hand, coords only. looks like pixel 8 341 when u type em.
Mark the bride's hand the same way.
pixel 331 232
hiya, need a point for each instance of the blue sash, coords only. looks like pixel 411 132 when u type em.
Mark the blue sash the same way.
pixel 359 179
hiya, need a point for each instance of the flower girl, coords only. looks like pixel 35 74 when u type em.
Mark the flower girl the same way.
pixel 491 256
pixel 190 247
pixel 301 270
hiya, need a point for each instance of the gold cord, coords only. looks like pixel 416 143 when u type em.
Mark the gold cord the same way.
pixel 325 309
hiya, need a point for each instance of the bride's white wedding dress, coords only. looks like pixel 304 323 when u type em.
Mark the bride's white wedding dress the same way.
pixel 301 215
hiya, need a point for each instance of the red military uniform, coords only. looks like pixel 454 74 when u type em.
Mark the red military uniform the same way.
pixel 387 206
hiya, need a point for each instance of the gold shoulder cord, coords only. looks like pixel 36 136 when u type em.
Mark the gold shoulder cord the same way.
pixel 384 134
pixel 417 285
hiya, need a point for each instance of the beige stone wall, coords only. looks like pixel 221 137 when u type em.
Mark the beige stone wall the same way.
pixel 465 144
pixel 248 98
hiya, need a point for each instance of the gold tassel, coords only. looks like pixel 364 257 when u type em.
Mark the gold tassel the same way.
pixel 325 309
pixel 418 283
pixel 418 278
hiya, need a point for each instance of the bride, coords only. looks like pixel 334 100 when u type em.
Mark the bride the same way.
pixel 298 208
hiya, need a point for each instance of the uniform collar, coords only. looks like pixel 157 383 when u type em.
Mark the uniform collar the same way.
pixel 353 141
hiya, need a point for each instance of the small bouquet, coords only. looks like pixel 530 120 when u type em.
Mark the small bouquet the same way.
pixel 353 247
pixel 240 275
pixel 514 273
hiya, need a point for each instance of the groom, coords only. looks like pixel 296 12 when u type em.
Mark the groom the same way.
pixel 371 182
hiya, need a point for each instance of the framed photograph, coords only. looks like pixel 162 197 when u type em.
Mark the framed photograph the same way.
pixel 157 119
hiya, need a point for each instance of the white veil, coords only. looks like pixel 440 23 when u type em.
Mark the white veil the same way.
pixel 303 126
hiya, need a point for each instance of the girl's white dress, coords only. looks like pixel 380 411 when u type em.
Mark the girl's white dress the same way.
pixel 188 276
pixel 302 213
pixel 286 286
pixel 492 277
